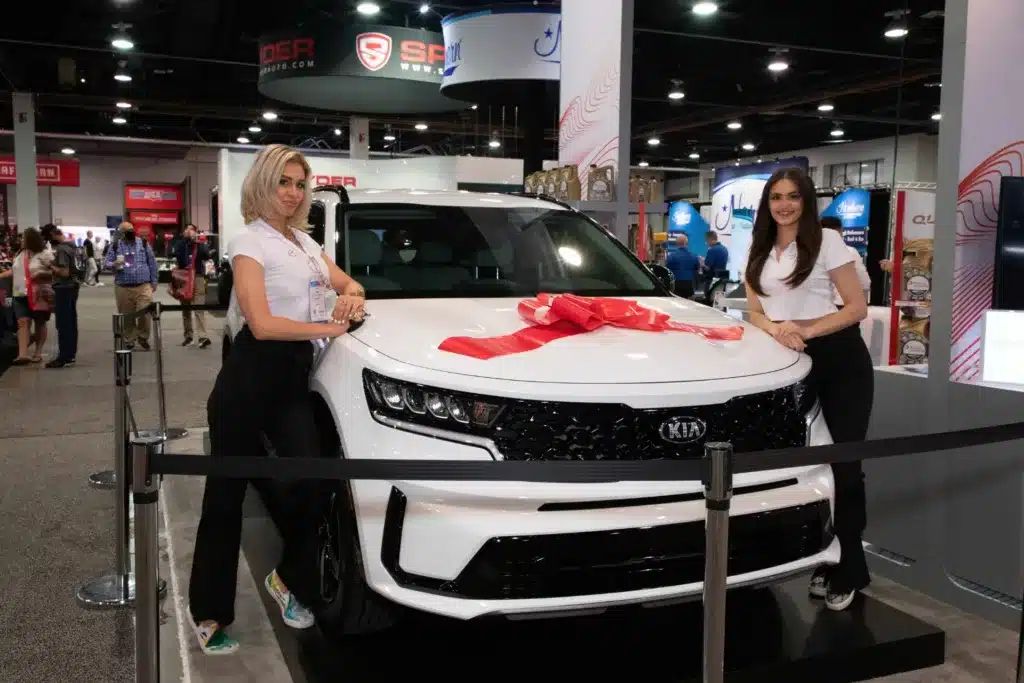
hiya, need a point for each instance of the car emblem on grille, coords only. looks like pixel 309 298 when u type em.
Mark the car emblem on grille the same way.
pixel 682 429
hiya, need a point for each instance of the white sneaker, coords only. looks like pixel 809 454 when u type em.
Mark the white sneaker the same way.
pixel 837 602
pixel 213 639
pixel 292 611
pixel 819 583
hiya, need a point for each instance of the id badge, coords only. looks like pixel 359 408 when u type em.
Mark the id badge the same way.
pixel 318 312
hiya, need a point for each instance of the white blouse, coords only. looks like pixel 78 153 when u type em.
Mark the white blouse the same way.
pixel 813 298
pixel 287 269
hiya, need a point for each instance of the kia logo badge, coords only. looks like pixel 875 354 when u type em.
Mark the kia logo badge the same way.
pixel 680 430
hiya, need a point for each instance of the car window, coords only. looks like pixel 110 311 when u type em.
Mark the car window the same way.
pixel 317 222
pixel 408 250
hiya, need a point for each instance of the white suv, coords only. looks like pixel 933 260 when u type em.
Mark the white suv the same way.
pixel 443 264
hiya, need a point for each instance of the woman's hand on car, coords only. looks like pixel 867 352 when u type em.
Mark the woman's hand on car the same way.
pixel 348 309
pixel 789 334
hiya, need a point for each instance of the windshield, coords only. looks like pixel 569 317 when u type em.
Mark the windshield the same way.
pixel 409 250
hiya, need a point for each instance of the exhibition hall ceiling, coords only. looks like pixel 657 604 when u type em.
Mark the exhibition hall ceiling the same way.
pixel 193 69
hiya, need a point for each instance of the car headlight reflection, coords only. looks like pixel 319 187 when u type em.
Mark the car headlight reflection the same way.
pixel 805 396
pixel 431 406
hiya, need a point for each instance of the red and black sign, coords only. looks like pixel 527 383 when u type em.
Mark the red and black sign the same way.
pixel 153 197
pixel 356 69
pixel 51 172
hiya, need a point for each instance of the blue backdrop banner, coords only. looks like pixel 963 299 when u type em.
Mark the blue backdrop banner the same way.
pixel 683 218
pixel 737 192
pixel 853 209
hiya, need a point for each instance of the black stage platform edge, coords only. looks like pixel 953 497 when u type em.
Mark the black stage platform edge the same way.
pixel 777 635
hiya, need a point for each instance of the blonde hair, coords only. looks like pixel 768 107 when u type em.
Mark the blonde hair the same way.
pixel 259 189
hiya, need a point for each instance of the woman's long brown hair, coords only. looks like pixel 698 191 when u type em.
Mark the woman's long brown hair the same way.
pixel 32 241
pixel 808 236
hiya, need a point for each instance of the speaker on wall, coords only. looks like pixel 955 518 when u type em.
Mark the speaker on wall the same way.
pixel 1008 289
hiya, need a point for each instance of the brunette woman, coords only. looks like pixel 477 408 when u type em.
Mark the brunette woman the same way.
pixel 793 271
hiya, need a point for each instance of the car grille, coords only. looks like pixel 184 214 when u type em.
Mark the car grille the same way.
pixel 541 430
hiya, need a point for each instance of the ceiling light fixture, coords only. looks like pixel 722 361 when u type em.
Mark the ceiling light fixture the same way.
pixel 123 77
pixel 337 131
pixel 654 142
pixel 676 95
pixel 67 150
pixel 120 120
pixel 778 62
pixel 826 106
pixel 474 107
pixel 254 128
pixel 122 43
pixel 421 126
pixel 424 8
pixel 734 125
pixel 749 146
pixel 897 28
pixel 494 144
pixel 368 9
pixel 837 132
pixel 389 138
pixel 124 105
pixel 705 9
pixel 694 155
pixel 643 164
pixel 937 116
pixel 269 116
pixel 243 140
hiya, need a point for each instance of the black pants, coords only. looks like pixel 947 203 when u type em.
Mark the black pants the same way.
pixel 684 288
pixel 65 307
pixel 261 389
pixel 844 379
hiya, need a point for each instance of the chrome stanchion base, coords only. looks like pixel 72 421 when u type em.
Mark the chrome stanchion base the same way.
pixel 173 433
pixel 103 480
pixel 112 591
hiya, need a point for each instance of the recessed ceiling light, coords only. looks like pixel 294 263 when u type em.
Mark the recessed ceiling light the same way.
pixel 123 77
pixel 826 106
pixel 82 80
pixel 734 125
pixel 421 126
pixel 122 43
pixel 424 8
pixel 748 146
pixel 643 164
pixel 837 132
pixel 694 155
pixel 896 32
pixel 705 9
pixel 337 131
pixel 368 8
pixel 474 107
pixel 654 142
pixel 937 116
pixel 67 150
pixel 494 144
pixel 778 64
pixel 119 120
pixel 269 116
pixel 243 140
pixel 389 138
pixel 676 95
pixel 254 128
pixel 124 105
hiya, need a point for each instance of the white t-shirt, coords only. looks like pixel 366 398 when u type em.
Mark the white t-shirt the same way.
pixel 37 264
pixel 813 298
pixel 862 276
pixel 287 270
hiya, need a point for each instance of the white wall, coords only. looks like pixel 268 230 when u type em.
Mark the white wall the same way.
pixel 101 189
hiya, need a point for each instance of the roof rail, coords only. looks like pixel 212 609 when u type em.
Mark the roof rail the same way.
pixel 336 189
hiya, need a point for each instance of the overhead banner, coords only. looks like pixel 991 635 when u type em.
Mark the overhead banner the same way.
pixel 361 68
pixel 51 172
pixel 153 197
pixel 853 209
pixel 684 219
pixel 501 44
pixel 734 200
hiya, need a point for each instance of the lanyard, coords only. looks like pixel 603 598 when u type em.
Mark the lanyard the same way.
pixel 314 264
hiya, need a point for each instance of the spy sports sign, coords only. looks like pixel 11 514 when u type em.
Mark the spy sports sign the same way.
pixel 375 50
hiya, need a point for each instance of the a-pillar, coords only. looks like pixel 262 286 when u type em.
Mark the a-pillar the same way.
pixel 595 96
pixel 981 139
pixel 27 185
pixel 359 137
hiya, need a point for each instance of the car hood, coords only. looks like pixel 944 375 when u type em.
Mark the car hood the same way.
pixel 410 331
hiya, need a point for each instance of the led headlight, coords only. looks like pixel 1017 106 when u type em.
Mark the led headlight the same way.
pixel 429 406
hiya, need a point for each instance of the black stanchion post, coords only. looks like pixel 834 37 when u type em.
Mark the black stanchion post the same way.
pixel 146 492
pixel 105 479
pixel 163 431
pixel 717 495
pixel 1020 652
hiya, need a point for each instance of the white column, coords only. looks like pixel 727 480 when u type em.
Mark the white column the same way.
pixel 27 186
pixel 359 137
pixel 596 92
pixel 981 135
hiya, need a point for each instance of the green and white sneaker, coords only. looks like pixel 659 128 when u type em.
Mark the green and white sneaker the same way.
pixel 213 639
pixel 292 611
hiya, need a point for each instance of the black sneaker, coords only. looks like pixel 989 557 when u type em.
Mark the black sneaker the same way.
pixel 59 363
pixel 204 342
pixel 144 343
pixel 188 340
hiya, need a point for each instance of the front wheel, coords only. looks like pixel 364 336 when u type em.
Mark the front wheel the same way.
pixel 347 605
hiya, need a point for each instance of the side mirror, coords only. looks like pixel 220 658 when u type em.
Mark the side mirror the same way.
pixel 663 274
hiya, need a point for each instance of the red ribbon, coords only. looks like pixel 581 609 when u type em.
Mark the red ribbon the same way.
pixel 554 316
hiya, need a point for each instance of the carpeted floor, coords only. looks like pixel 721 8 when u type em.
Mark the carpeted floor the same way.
pixel 56 532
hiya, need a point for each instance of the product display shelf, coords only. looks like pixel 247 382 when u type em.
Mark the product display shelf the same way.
pixel 913 236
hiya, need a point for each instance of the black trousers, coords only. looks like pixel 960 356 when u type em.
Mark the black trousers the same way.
pixel 65 307
pixel 684 288
pixel 261 389
pixel 844 379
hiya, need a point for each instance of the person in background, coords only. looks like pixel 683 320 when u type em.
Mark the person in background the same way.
pixel 793 270
pixel 33 248
pixel 135 279
pixel 684 266
pixel 91 269
pixel 833 223
pixel 716 261
pixel 183 255
pixel 68 274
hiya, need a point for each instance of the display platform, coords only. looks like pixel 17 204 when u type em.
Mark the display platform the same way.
pixel 778 634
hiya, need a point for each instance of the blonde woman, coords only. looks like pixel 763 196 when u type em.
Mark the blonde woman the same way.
pixel 283 281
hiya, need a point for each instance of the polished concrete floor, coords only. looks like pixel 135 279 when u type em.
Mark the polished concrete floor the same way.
pixel 56 428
